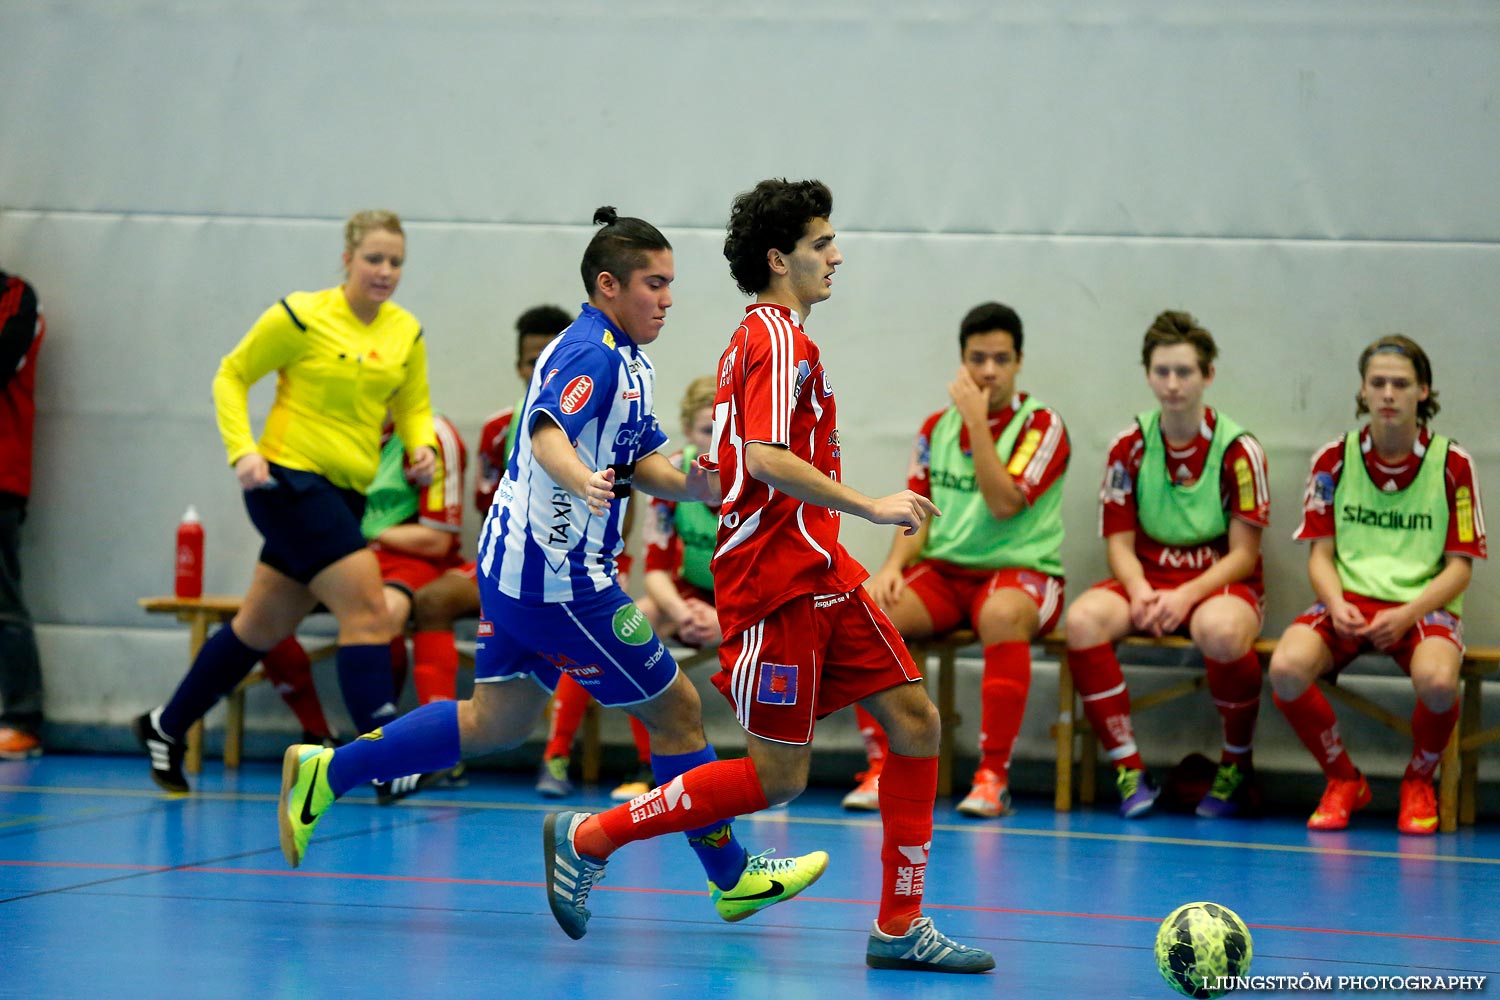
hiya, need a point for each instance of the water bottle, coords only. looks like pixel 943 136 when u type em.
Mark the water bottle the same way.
pixel 190 555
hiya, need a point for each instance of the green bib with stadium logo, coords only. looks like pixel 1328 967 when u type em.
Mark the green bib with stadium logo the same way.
pixel 390 500
pixel 1389 546
pixel 698 527
pixel 1181 515
pixel 967 534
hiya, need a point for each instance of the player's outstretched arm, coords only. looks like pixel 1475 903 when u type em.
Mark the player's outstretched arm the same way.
pixel 655 474
pixel 777 467
pixel 555 453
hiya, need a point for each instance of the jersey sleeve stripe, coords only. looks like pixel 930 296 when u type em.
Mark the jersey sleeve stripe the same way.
pixel 1257 456
pixel 300 325
pixel 1042 458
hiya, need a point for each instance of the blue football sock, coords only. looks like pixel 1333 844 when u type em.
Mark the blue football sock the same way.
pixel 365 680
pixel 722 856
pixel 425 739
pixel 221 664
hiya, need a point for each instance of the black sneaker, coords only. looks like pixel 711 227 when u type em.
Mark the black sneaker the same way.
pixel 166 753
pixel 390 792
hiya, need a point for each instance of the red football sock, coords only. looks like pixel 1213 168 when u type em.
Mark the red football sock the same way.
pixel 1007 679
pixel 1317 727
pixel 873 735
pixel 1106 702
pixel 434 671
pixel 642 740
pixel 702 797
pixel 1235 686
pixel 290 671
pixel 908 786
pixel 1429 735
pixel 569 702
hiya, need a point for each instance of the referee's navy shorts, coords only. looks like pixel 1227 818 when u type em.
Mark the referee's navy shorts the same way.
pixel 308 523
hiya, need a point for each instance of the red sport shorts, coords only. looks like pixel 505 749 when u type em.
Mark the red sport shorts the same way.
pixel 809 658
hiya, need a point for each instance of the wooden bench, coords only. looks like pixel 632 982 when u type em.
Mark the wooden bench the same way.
pixel 1458 768
pixel 204 613
pixel 1458 776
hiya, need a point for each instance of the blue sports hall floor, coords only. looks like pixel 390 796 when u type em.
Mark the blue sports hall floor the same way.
pixel 110 889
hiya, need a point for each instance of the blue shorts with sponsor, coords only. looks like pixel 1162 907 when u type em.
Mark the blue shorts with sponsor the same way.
pixel 602 641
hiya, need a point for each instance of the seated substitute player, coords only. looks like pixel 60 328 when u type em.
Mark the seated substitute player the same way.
pixel 679 536
pixel 802 638
pixel 550 599
pixel 994 463
pixel 414 534
pixel 455 594
pixel 1393 514
pixel 680 540
pixel 1183 504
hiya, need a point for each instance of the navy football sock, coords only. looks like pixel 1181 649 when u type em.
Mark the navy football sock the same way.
pixel 221 664
pixel 722 856
pixel 365 679
pixel 423 740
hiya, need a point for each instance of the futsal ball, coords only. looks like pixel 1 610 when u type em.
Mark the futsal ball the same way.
pixel 1197 944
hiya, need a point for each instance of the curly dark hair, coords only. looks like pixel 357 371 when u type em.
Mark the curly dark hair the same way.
pixel 540 321
pixel 1177 327
pixel 619 247
pixel 775 213
pixel 1411 351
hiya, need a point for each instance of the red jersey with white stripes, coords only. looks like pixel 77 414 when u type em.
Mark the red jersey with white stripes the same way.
pixel 1246 498
pixel 773 547
pixel 1465 511
pixel 1043 463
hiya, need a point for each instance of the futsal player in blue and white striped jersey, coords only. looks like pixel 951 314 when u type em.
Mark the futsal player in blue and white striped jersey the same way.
pixel 547 585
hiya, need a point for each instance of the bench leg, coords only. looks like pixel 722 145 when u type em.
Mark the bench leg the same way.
pixel 234 720
pixel 1062 732
pixel 948 712
pixel 1468 762
pixel 1448 785
pixel 1088 765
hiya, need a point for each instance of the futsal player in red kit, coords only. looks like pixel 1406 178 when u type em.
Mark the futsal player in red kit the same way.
pixel 801 637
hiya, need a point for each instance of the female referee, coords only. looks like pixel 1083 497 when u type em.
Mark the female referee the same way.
pixel 342 356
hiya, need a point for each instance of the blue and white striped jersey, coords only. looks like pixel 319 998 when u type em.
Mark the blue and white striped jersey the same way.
pixel 541 543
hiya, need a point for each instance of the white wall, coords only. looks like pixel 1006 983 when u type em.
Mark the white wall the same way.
pixel 1302 177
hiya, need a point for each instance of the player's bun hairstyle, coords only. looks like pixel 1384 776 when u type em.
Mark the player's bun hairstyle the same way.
pixel 1177 327
pixel 540 321
pixel 988 317
pixel 361 224
pixel 775 213
pixel 701 392
pixel 1411 351
pixel 620 247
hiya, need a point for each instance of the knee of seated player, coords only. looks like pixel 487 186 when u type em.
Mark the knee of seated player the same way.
pixel 1434 675
pixel 1008 616
pixel 1294 666
pixel 1096 618
pixel 1223 638
pixel 439 604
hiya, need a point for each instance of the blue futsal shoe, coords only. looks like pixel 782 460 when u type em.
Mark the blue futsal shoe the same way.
pixel 570 875
pixel 924 948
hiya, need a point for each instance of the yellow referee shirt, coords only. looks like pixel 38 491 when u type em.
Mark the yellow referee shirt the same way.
pixel 336 378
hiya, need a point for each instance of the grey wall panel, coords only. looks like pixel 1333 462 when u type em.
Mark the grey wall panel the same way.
pixel 1347 119
pixel 125 398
